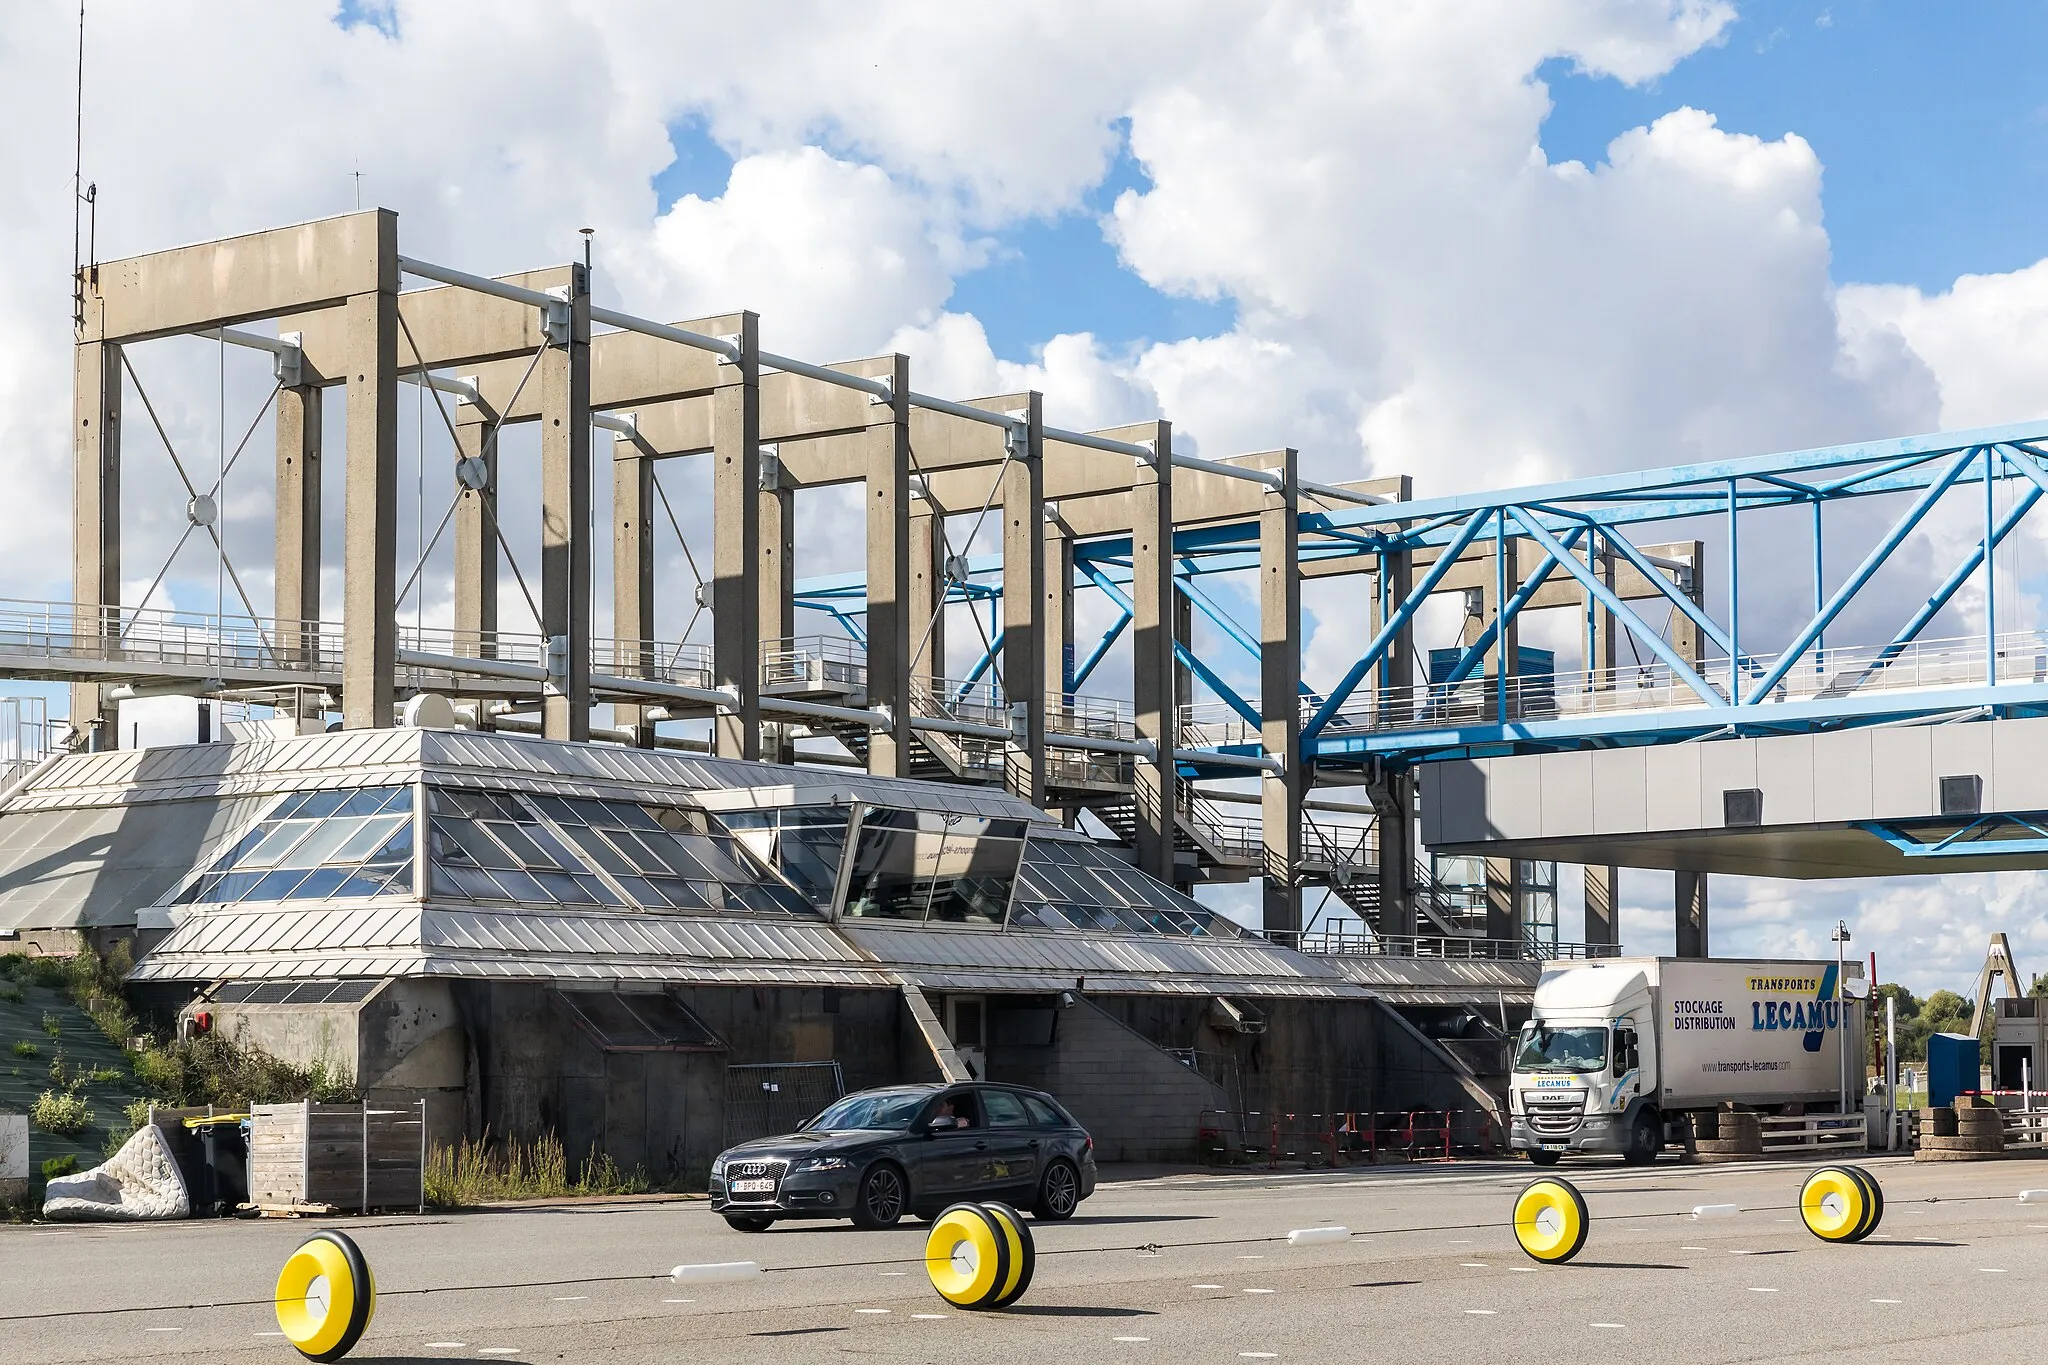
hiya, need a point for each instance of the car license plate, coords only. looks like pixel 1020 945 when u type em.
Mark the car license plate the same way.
pixel 753 1187
pixel 1548 1147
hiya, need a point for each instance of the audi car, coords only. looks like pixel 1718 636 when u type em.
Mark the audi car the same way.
pixel 877 1155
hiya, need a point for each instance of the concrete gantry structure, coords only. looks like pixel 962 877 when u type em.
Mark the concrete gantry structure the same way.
pixel 1118 512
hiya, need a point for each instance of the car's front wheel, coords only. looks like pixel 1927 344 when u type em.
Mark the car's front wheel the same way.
pixel 1059 1192
pixel 749 1222
pixel 882 1197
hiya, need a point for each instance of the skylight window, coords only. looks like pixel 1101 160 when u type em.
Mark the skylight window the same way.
pixel 315 846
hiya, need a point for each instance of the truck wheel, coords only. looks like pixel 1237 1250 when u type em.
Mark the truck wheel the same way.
pixel 1645 1140
pixel 1542 1158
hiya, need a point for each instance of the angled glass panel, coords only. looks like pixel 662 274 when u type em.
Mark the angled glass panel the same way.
pixel 934 867
pixel 316 844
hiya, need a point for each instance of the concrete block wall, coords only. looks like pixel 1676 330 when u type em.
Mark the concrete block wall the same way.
pixel 1136 1100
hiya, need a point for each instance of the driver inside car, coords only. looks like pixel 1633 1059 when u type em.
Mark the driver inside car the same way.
pixel 947 1116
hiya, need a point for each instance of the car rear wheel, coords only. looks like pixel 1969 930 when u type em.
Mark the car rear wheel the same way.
pixel 1059 1192
pixel 882 1197
pixel 749 1222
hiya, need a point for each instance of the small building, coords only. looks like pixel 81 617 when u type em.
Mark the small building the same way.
pixel 652 954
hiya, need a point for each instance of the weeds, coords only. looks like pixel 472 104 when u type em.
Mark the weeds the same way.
pixel 482 1172
pixel 66 1164
pixel 66 1115
pixel 52 1025
pixel 211 1069
pixel 25 1048
pixel 12 993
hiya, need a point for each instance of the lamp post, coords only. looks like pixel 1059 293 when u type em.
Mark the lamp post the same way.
pixel 1840 938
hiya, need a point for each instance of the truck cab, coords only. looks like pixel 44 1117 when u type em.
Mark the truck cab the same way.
pixel 1585 1069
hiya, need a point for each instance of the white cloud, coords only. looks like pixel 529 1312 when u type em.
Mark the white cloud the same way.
pixel 1418 287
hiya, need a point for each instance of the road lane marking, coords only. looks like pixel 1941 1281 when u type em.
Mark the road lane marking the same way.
pixel 497 1350
pixel 1130 1338
pixel 1258 1355
pixel 1607 1324
pixel 570 1298
pixel 1258 1291
pixel 1887 1300
pixel 929 1317
pixel 1692 1248
pixel 163 1329
pixel 1205 1286
pixel 888 1273
pixel 1475 1265
pixel 1761 1289
pixel 870 1310
pixel 438 1345
pixel 1483 1312
pixel 1982 1269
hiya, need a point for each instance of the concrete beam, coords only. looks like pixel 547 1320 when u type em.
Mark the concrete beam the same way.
pixel 632 580
pixel 1603 905
pixel 565 524
pixel 927 592
pixel 736 540
pixel 1689 906
pixel 476 540
pixel 890 623
pixel 1280 794
pixel 370 545
pixel 297 526
pixel 1024 655
pixel 97 384
pixel 316 265
pixel 447 326
pixel 1155 707
pixel 1199 499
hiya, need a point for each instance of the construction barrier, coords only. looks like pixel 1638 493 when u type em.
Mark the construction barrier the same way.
pixel 325 1325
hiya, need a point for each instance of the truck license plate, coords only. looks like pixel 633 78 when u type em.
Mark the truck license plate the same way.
pixel 753 1187
pixel 1548 1147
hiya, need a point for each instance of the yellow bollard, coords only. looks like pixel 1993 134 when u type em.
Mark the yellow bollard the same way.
pixel 1551 1220
pixel 1841 1203
pixel 324 1326
pixel 979 1256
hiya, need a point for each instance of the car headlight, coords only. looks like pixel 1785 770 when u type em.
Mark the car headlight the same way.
pixel 823 1163
pixel 718 1166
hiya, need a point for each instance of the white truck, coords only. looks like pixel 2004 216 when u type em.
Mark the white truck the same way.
pixel 1617 1051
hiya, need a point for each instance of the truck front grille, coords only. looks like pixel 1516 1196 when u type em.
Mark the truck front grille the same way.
pixel 1553 1115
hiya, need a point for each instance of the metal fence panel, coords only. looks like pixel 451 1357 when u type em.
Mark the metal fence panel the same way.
pixel 766 1098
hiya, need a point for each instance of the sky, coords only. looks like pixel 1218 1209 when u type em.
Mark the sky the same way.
pixel 1482 242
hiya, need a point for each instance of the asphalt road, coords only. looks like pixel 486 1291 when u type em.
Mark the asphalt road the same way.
pixel 1959 1267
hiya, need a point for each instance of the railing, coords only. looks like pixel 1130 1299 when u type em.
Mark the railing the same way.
pixel 25 736
pixel 1351 938
pixel 1816 675
pixel 834 662
pixel 1332 845
pixel 1814 1132
pixel 1234 836
pixel 1092 718
pixel 1215 725
pixel 1252 1137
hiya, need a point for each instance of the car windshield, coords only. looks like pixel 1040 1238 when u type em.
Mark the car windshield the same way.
pixel 1561 1049
pixel 870 1111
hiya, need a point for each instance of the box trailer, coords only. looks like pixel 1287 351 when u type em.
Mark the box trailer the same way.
pixel 1619 1051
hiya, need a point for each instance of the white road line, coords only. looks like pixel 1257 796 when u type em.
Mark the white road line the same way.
pixel 270 1334
pixel 1523 1269
pixel 1255 1256
pixel 1982 1269
pixel 1130 1338
pixel 870 1310
pixel 678 1300
pixel 163 1329
pixel 1205 1286
pixel 1258 1355
pixel 438 1345
pixel 1607 1324
pixel 1761 1289
pixel 1258 1291
pixel 887 1274
pixel 1483 1312
pixel 1887 1300
pixel 1692 1248
pixel 929 1317
pixel 1475 1265
pixel 497 1350
pixel 570 1298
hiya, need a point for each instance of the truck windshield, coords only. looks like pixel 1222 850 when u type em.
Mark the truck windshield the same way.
pixel 1562 1049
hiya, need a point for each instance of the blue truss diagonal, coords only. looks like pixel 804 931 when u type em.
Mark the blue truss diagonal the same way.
pixel 1396 623
pixel 1101 650
pixel 1855 582
pixel 1680 668
pixel 1472 656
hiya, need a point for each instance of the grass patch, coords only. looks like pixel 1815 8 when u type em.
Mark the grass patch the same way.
pixel 24 1048
pixel 472 1173
pixel 213 1070
pixel 67 1114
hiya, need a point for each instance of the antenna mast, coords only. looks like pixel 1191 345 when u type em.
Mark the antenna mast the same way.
pixel 78 197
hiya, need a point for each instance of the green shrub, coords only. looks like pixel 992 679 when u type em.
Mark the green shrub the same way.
pixel 66 1115
pixel 66 1164
pixel 100 1075
pixel 52 1025
pixel 25 1048
pixel 211 1069
pixel 11 993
